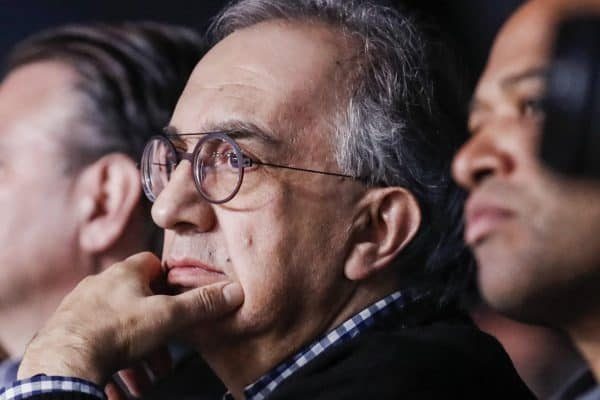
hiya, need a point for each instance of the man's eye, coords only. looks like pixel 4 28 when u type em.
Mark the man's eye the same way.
pixel 533 107
pixel 234 161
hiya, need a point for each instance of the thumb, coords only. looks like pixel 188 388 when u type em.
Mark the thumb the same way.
pixel 206 302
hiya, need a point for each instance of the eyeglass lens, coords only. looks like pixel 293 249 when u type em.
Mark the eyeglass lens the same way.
pixel 216 167
pixel 158 162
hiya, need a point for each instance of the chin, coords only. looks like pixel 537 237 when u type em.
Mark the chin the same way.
pixel 504 283
pixel 209 335
pixel 510 288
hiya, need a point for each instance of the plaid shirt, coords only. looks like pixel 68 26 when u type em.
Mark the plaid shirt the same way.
pixel 259 390
pixel 351 328
pixel 42 384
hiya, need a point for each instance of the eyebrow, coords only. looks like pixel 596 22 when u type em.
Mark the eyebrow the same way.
pixel 510 81
pixel 476 105
pixel 532 73
pixel 237 129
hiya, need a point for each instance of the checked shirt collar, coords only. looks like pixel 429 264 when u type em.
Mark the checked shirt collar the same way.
pixel 349 329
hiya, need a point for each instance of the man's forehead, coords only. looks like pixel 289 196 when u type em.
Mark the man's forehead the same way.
pixel 36 99
pixel 527 37
pixel 34 83
pixel 280 46
pixel 270 74
pixel 520 53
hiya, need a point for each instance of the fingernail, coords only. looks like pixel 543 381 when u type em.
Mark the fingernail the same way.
pixel 233 294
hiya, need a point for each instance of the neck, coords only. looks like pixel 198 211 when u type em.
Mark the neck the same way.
pixel 21 321
pixel 241 363
pixel 585 333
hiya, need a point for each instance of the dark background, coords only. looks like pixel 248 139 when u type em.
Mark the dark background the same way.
pixel 471 24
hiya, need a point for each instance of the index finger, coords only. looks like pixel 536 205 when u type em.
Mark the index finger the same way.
pixel 146 265
pixel 194 306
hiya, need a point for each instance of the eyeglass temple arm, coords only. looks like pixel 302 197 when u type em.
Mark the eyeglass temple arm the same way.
pixel 248 163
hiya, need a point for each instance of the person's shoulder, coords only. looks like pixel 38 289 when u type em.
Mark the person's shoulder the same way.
pixel 455 341
pixel 593 394
pixel 450 353
pixel 449 358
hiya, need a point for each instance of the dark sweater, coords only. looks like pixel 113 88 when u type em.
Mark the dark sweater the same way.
pixel 442 360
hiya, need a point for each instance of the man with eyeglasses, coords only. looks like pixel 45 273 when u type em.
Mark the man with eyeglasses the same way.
pixel 303 185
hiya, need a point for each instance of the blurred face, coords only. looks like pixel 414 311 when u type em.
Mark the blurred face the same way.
pixel 535 235
pixel 284 236
pixel 37 228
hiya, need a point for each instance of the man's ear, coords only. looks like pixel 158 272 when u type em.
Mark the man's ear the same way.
pixel 387 221
pixel 108 192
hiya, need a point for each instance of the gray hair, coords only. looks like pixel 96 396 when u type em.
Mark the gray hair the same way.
pixel 399 127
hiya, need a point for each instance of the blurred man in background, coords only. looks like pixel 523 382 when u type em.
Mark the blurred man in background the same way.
pixel 77 105
pixel 535 234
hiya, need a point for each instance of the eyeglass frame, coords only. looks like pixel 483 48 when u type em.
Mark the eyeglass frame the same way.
pixel 246 162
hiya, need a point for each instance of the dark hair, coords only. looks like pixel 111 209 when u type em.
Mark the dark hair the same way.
pixel 400 126
pixel 130 76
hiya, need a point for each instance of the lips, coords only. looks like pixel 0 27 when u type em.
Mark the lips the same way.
pixel 189 273
pixel 483 218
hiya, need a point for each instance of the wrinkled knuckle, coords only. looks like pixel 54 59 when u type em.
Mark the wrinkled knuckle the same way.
pixel 208 301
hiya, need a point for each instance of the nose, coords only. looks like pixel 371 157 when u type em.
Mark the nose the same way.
pixel 480 158
pixel 180 206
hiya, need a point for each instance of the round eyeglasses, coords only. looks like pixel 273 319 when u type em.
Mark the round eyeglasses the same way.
pixel 217 161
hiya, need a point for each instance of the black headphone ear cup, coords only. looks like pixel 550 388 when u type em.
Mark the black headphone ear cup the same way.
pixel 571 134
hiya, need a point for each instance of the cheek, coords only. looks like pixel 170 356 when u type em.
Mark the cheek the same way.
pixel 504 277
pixel 253 250
pixel 260 249
pixel 35 215
pixel 515 267
pixel 40 244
